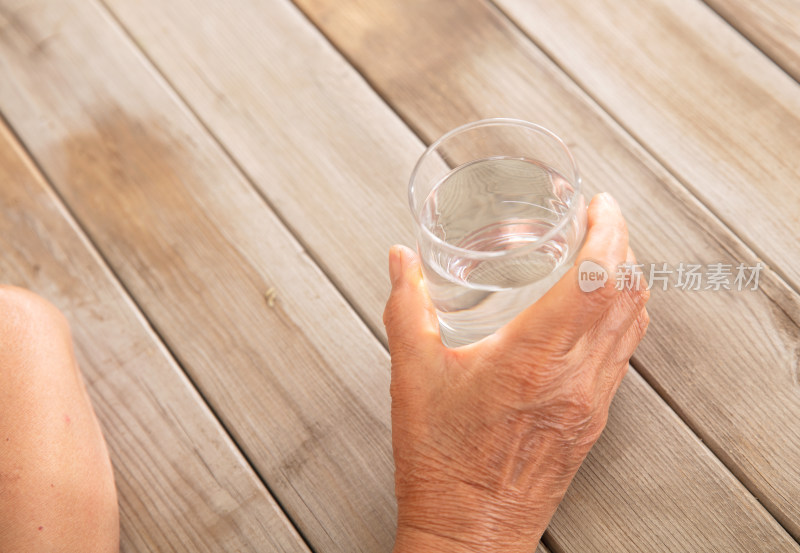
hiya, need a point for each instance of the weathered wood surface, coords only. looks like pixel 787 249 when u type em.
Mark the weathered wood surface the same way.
pixel 183 484
pixel 286 146
pixel 723 118
pixel 302 385
pixel 724 424
pixel 726 361
pixel 708 104
pixel 772 25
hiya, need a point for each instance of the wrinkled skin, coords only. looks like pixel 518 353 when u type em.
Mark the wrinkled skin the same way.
pixel 488 437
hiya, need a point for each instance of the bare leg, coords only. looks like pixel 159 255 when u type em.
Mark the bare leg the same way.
pixel 56 483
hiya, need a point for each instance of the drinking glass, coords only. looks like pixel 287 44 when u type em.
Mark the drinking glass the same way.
pixel 500 215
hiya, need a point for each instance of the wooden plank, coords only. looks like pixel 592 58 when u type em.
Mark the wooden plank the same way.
pixel 246 143
pixel 288 117
pixel 712 108
pixel 302 383
pixel 183 484
pixel 773 26
pixel 438 77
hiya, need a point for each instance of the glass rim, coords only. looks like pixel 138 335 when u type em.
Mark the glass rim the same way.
pixel 496 121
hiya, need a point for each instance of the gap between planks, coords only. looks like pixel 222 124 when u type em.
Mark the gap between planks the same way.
pixel 543 546
pixel 70 217
pixel 417 133
pixel 167 83
pixel 752 38
pixel 675 175
pixel 659 390
pixel 412 128
pixel 104 273
pixel 773 265
pixel 226 154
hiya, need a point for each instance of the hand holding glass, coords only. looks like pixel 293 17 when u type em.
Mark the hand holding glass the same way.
pixel 500 215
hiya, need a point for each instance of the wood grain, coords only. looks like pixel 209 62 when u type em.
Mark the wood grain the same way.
pixel 183 484
pixel 725 361
pixel 709 105
pixel 773 26
pixel 302 384
pixel 286 116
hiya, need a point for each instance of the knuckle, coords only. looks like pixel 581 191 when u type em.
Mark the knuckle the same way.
pixel 401 349
pixel 643 295
pixel 584 419
pixel 583 401
pixel 592 419
pixel 392 311
pixel 624 352
pixel 526 368
pixel 627 312
pixel 596 426
pixel 620 366
pixel 634 301
pixel 642 323
pixel 608 292
pixel 605 294
pixel 387 314
pixel 638 298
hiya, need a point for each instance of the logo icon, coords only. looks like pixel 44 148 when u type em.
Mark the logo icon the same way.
pixel 591 275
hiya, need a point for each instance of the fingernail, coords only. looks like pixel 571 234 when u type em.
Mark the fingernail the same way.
pixel 395 264
pixel 609 200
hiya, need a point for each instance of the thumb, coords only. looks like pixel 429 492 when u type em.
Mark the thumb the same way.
pixel 409 317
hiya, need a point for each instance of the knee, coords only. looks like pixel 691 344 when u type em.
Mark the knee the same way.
pixel 38 387
pixel 29 324
pixel 22 311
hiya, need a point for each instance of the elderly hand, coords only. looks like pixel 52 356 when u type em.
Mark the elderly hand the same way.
pixel 488 437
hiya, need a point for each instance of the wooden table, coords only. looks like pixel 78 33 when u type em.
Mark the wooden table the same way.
pixel 165 164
